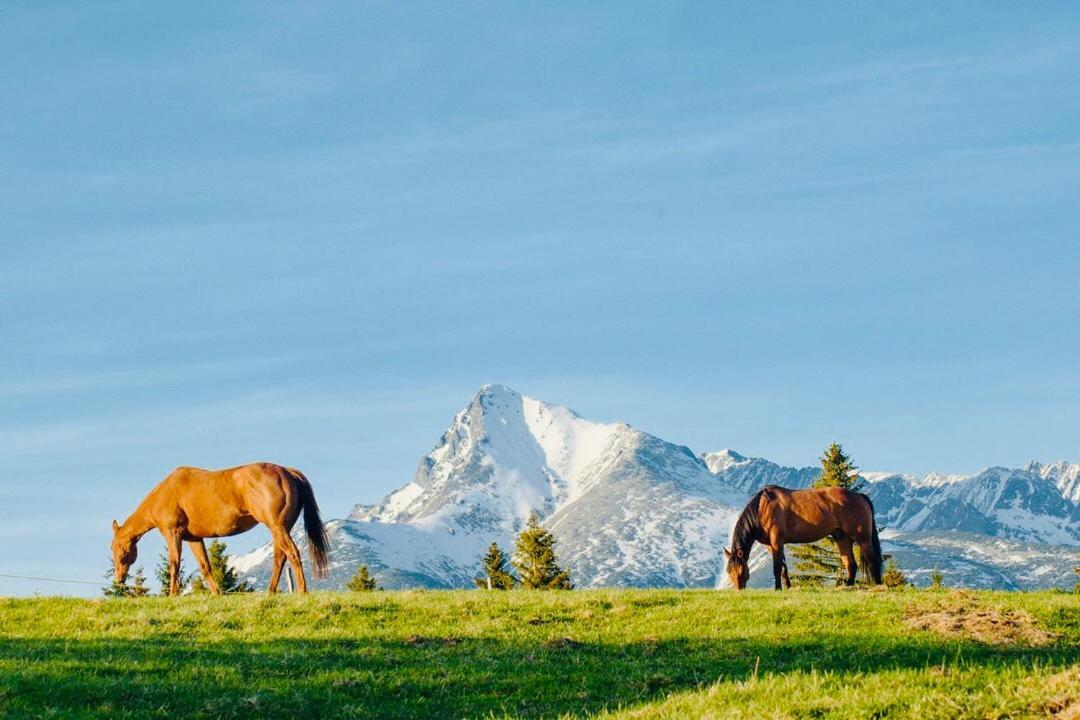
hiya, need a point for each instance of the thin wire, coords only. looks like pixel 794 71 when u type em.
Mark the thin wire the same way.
pixel 97 584
pixel 102 584
pixel 45 579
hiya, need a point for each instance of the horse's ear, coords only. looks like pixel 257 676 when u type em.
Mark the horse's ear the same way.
pixel 727 552
pixel 115 527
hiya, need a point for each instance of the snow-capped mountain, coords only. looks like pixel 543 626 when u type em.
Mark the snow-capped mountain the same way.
pixel 1017 504
pixel 1066 476
pixel 630 509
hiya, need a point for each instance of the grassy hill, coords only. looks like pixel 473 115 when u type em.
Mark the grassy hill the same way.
pixel 625 653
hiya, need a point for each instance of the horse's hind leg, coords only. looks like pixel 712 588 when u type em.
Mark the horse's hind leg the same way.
pixel 198 549
pixel 284 540
pixel 784 573
pixel 843 546
pixel 279 563
pixel 871 560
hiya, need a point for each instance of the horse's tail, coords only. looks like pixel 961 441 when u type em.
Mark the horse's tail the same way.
pixel 318 543
pixel 877 562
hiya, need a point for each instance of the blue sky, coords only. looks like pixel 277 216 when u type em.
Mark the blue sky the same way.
pixel 308 234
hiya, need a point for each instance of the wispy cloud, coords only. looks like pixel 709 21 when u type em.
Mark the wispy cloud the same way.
pixel 145 377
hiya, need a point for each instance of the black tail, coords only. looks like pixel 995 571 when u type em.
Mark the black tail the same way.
pixel 318 544
pixel 875 563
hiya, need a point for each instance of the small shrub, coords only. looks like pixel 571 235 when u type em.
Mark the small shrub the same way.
pixel 362 581
pixel 893 577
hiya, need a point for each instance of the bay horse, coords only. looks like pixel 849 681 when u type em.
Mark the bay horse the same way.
pixel 776 516
pixel 191 504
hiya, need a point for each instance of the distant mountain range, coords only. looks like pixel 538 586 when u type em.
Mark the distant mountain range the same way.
pixel 630 509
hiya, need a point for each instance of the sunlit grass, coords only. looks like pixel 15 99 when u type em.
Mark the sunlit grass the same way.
pixel 642 653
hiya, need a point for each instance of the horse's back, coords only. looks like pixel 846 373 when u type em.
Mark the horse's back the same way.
pixel 240 485
pixel 256 472
pixel 230 500
pixel 808 514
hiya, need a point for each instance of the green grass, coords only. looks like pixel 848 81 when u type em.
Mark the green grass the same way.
pixel 842 654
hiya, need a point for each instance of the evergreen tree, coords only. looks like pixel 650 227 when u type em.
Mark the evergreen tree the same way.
pixel 495 575
pixel 837 470
pixel 893 577
pixel 534 558
pixel 161 574
pixel 937 580
pixel 1077 571
pixel 819 563
pixel 362 581
pixel 138 584
pixel 223 573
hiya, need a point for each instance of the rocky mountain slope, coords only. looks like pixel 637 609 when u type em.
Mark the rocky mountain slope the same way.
pixel 630 509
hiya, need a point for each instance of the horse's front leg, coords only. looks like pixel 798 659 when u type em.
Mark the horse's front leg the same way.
pixel 778 564
pixel 174 544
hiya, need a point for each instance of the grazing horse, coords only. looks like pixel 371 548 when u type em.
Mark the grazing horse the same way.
pixel 191 504
pixel 776 516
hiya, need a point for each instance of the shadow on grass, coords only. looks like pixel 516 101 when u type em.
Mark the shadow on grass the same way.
pixel 426 677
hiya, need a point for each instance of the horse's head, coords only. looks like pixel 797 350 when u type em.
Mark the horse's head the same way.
pixel 737 569
pixel 124 552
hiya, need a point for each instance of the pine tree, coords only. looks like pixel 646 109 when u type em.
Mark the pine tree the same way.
pixel 495 575
pixel 819 563
pixel 837 470
pixel 1077 571
pixel 138 584
pixel 223 573
pixel 893 577
pixel 534 558
pixel 937 580
pixel 362 581
pixel 161 574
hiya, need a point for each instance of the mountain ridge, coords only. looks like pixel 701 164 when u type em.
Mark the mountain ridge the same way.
pixel 630 509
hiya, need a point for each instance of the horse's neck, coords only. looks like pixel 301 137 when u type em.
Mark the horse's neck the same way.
pixel 745 536
pixel 139 522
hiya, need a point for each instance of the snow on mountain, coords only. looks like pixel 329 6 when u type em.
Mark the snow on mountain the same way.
pixel 504 456
pixel 748 475
pixel 630 509
pixel 1018 504
pixel 1066 476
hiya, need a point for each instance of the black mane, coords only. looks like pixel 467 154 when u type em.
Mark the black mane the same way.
pixel 748 526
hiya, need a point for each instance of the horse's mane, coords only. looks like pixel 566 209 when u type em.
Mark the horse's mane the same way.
pixel 748 526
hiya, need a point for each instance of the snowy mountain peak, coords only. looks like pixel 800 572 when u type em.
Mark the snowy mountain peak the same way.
pixel 1064 474
pixel 721 460
pixel 494 398
pixel 505 455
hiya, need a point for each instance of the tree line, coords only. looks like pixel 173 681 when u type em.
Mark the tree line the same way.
pixel 534 560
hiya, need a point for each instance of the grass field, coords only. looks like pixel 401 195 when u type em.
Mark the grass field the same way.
pixel 825 654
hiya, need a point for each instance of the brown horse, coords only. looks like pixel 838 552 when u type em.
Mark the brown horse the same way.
pixel 776 516
pixel 191 504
